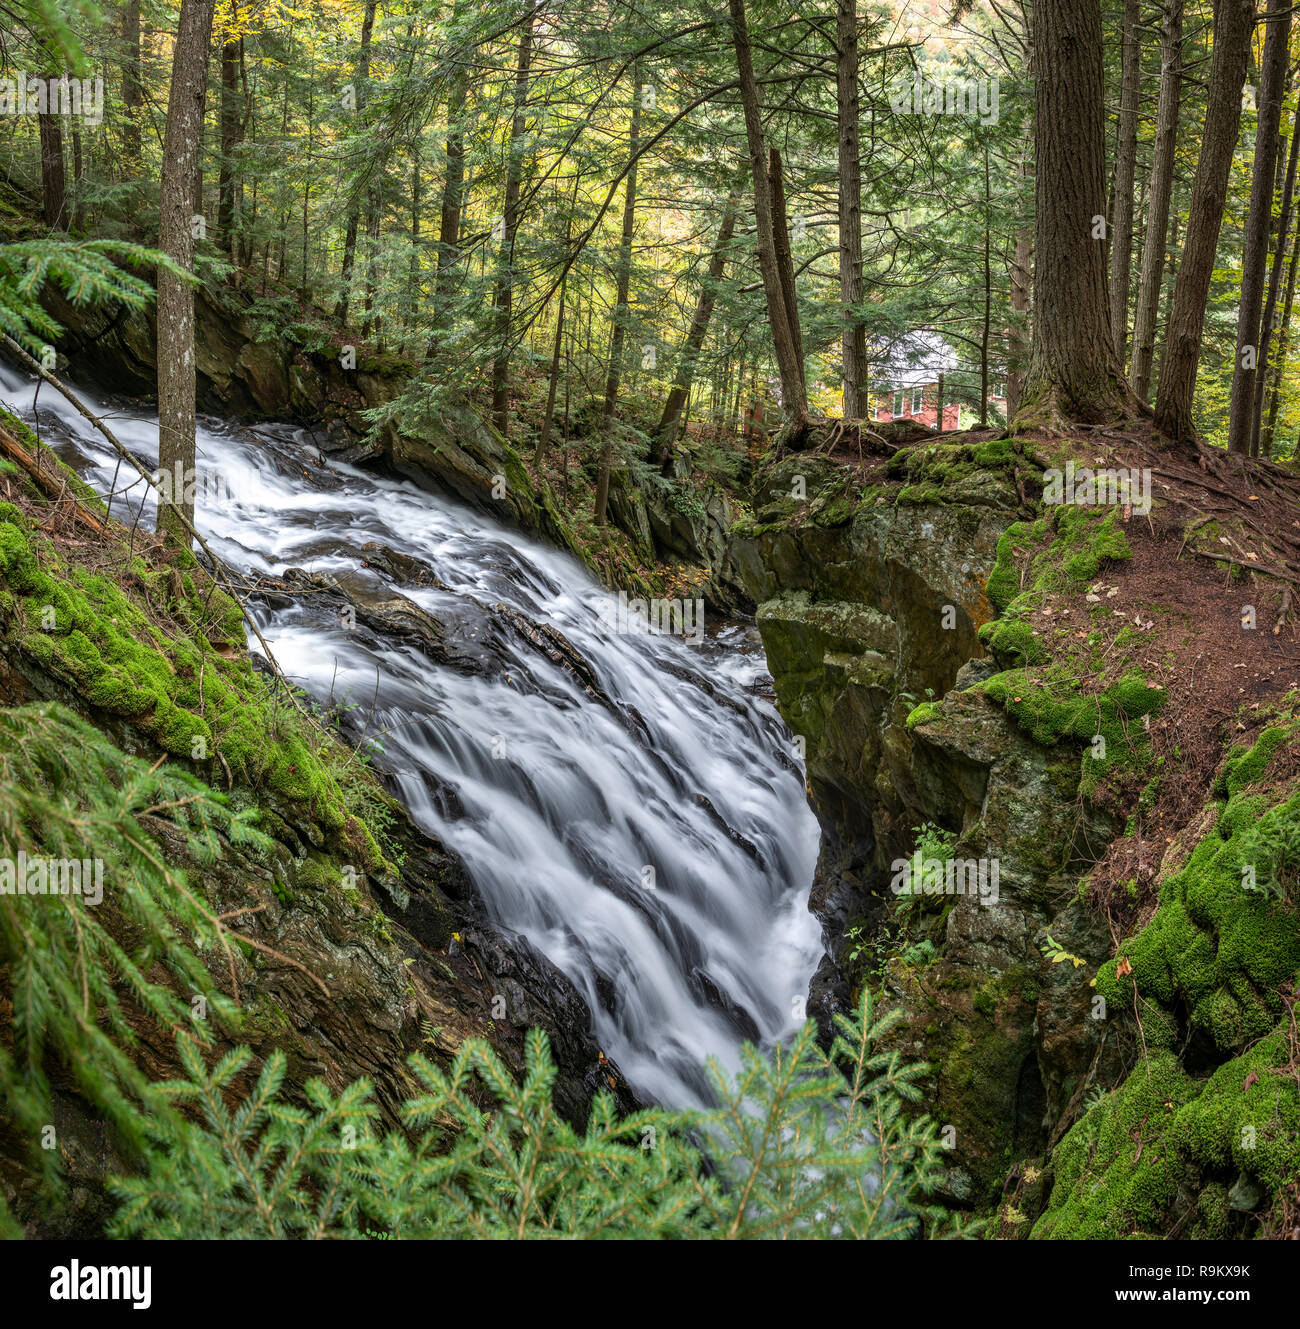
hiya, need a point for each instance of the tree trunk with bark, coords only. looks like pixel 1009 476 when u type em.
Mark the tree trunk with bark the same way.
pixel 1259 223
pixel 621 306
pixel 1278 371
pixel 662 448
pixel 354 208
pixel 453 186
pixel 1073 374
pixel 1233 21
pixel 54 187
pixel 853 337
pixel 1121 239
pixel 132 85
pixel 180 168
pixel 784 320
pixel 452 194
pixel 503 302
pixel 1159 195
pixel 1269 323
pixel 1018 334
pixel 785 256
pixel 232 121
pixel 553 381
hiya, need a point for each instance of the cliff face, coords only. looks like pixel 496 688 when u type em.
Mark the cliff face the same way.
pixel 871 594
pixel 1010 688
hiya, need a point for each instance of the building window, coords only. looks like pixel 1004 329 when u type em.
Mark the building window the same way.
pixel 918 398
pixel 898 403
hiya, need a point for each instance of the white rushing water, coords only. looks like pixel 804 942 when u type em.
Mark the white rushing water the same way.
pixel 559 810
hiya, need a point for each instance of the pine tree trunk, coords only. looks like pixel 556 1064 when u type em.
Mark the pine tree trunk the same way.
pixel 354 208
pixel 784 320
pixel 1269 323
pixel 1278 372
pixel 1233 21
pixel 1159 195
pixel 1073 374
pixel 453 190
pixel 662 447
pixel 132 87
pixel 244 227
pixel 180 167
pixel 417 209
pixel 452 195
pixel 503 302
pixel 785 256
pixel 54 189
pixel 853 337
pixel 1018 334
pixel 557 352
pixel 1258 225
pixel 987 324
pixel 231 127
pixel 78 167
pixel 621 307
pixel 1121 240
pixel 374 220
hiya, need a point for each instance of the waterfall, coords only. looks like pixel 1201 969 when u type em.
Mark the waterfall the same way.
pixel 646 828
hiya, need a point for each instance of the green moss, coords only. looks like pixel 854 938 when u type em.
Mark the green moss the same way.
pixel 318 874
pixel 1165 1139
pixel 1020 537
pixel 1255 1126
pixel 922 714
pixel 1246 766
pixel 196 704
pixel 1052 710
pixel 1213 946
pixel 1118 1171
pixel 1212 1206
pixel 1013 642
pixel 386 365
pixel 1086 539
pixel 996 452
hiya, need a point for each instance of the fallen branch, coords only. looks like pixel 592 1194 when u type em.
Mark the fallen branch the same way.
pixel 47 483
pixel 1278 573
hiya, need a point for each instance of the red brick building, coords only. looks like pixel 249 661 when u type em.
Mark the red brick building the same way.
pixel 919 401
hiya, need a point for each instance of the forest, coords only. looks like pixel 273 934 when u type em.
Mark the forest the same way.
pixel 650 621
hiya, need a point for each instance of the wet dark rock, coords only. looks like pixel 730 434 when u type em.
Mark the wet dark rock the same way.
pixel 537 994
pixel 739 1017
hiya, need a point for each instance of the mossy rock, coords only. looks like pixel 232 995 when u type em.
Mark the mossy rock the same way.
pixel 1213 946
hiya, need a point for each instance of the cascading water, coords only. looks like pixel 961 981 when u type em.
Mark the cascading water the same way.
pixel 658 850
